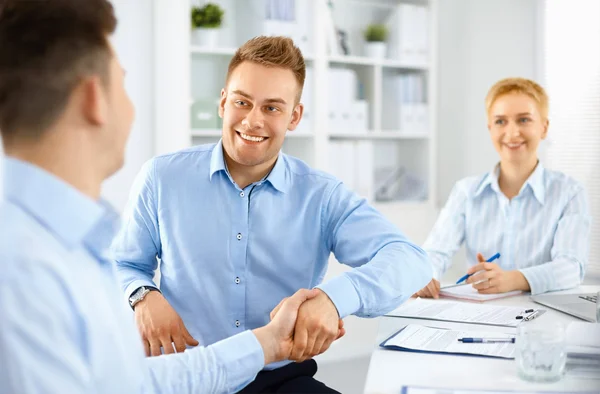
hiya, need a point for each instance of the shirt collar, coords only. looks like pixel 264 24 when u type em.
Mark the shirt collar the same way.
pixel 278 177
pixel 73 217
pixel 490 180
pixel 535 182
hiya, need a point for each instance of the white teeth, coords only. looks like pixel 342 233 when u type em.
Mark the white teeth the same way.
pixel 514 145
pixel 251 138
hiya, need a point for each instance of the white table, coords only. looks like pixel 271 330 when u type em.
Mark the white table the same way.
pixel 389 370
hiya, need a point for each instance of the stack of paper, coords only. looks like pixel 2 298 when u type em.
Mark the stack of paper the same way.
pixel 462 312
pixel 467 292
pixel 583 350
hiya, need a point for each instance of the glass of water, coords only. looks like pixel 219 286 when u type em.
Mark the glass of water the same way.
pixel 541 352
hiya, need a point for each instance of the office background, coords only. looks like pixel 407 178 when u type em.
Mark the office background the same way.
pixel 475 43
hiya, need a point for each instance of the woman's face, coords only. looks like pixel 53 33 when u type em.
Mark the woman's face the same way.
pixel 516 127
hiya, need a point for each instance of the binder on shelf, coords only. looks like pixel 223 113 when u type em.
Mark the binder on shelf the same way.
pixel 291 18
pixel 205 114
pixel 409 34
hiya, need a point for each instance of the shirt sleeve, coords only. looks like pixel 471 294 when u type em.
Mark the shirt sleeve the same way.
pixel 448 232
pixel 223 367
pixel 44 347
pixel 39 336
pixel 388 268
pixel 138 245
pixel 570 250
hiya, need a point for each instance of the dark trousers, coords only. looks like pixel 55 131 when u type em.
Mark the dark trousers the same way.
pixel 296 378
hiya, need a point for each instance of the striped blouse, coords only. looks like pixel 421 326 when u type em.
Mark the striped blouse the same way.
pixel 543 231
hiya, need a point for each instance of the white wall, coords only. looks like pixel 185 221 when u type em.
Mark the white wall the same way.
pixel 133 42
pixel 480 42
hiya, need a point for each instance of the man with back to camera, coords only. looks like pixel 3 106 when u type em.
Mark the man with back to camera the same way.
pixel 64 121
pixel 238 226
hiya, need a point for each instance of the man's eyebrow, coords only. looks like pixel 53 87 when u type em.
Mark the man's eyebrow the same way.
pixel 242 93
pixel 249 96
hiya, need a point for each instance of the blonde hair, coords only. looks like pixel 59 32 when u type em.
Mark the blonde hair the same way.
pixel 271 51
pixel 522 86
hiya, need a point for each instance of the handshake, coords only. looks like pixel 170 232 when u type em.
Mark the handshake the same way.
pixel 301 327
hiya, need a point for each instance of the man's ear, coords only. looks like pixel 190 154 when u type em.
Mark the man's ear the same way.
pixel 296 117
pixel 222 103
pixel 93 96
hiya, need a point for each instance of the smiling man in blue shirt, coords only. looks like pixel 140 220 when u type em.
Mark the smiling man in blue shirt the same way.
pixel 239 225
pixel 64 120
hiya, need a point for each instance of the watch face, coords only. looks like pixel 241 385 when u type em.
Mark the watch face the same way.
pixel 137 294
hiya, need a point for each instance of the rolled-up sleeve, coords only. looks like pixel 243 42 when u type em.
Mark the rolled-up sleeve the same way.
pixel 448 233
pixel 388 268
pixel 570 250
pixel 137 245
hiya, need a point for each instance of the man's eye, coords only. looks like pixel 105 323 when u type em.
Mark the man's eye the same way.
pixel 500 121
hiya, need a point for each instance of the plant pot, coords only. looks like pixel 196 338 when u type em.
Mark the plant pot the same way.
pixel 205 37
pixel 375 49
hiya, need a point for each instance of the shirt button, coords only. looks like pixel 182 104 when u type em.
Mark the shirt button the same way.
pixel 239 236
pixel 237 323
pixel 237 281
pixel 242 194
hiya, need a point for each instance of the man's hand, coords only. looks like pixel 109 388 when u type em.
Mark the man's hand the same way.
pixel 432 290
pixel 277 337
pixel 494 279
pixel 318 325
pixel 160 326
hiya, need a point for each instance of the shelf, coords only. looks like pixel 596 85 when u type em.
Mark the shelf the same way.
pixel 206 132
pixel 367 61
pixel 199 133
pixel 379 135
pixel 212 51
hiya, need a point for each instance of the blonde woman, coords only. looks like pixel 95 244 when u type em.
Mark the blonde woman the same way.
pixel 537 219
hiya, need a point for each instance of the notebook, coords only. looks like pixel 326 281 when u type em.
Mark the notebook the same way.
pixel 467 292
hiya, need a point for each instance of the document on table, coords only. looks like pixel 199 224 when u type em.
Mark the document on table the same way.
pixel 467 292
pixel 420 338
pixel 462 312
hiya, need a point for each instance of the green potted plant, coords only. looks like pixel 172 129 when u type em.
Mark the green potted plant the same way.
pixel 375 40
pixel 206 21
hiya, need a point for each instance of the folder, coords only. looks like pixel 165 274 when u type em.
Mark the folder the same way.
pixel 424 339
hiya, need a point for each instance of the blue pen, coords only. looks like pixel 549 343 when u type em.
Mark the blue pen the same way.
pixel 494 257
pixel 486 340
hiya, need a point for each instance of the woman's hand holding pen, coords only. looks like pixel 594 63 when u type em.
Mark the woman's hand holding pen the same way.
pixel 489 278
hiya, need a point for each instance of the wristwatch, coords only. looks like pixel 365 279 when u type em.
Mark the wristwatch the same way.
pixel 139 294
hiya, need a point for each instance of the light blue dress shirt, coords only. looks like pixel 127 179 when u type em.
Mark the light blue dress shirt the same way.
pixel 229 256
pixel 63 325
pixel 543 231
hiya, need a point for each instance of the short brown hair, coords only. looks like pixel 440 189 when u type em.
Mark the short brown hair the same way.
pixel 46 47
pixel 271 51
pixel 518 85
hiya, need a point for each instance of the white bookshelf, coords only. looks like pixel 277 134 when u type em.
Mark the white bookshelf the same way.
pixel 203 72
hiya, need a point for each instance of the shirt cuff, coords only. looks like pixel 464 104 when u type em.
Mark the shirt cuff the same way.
pixel 136 284
pixel 533 276
pixel 342 293
pixel 241 355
